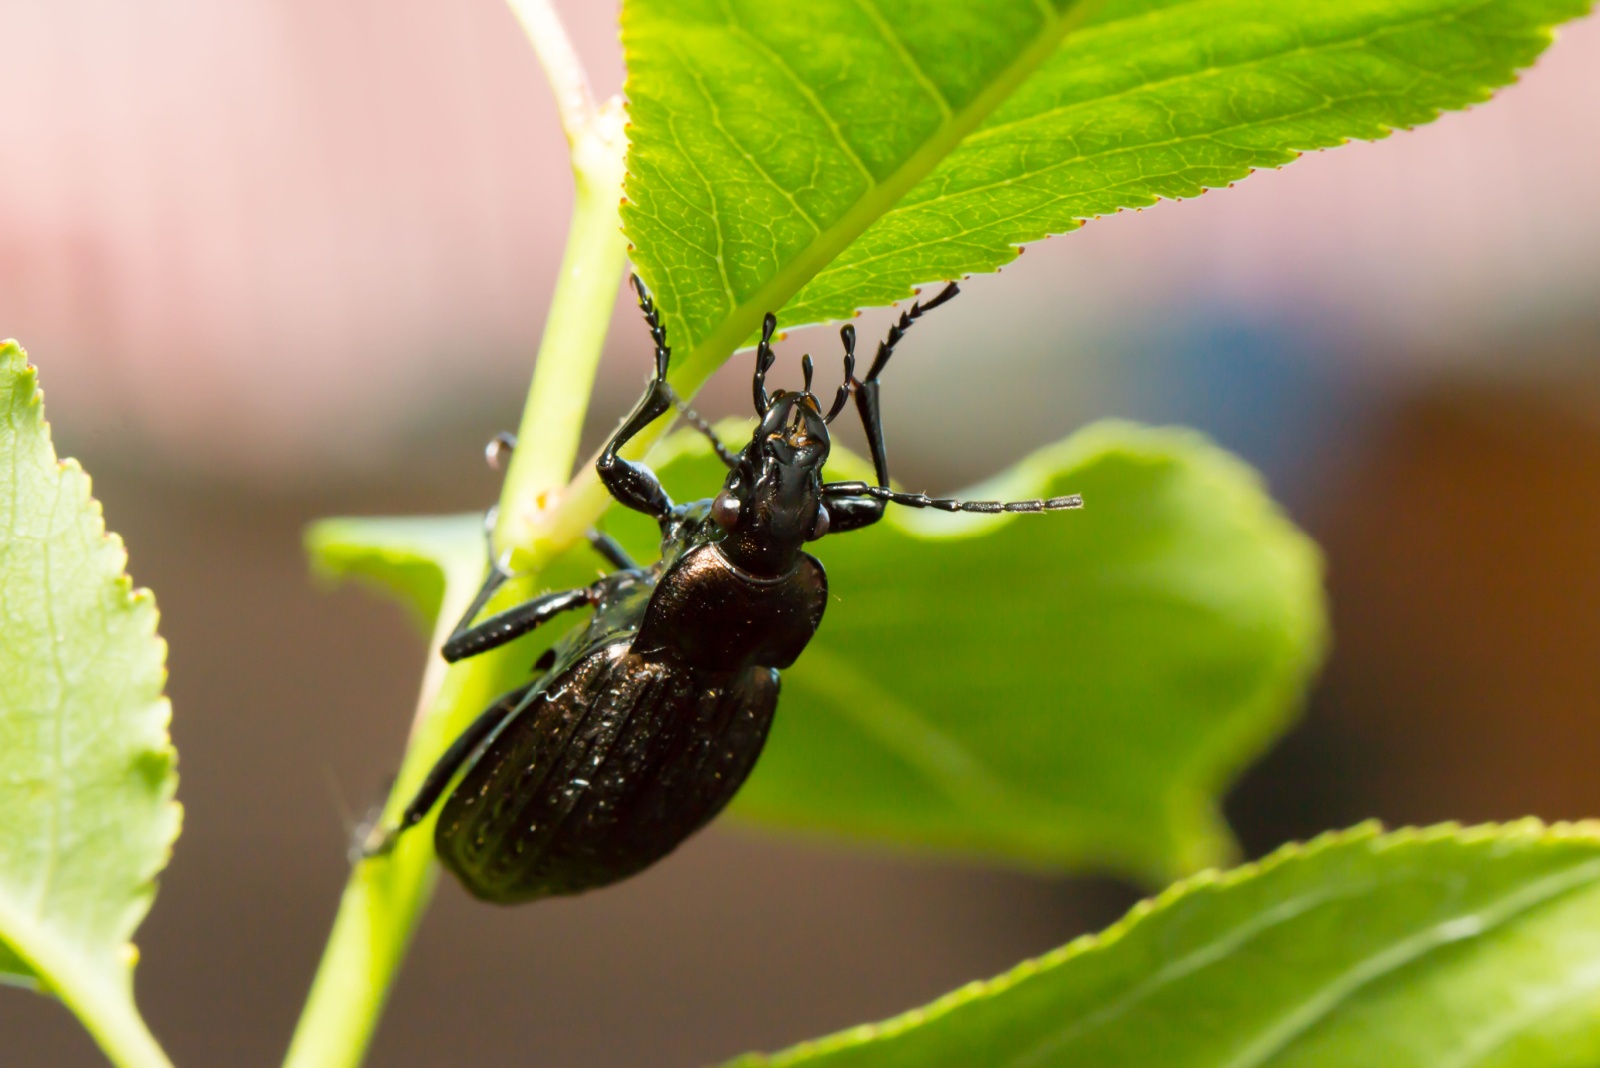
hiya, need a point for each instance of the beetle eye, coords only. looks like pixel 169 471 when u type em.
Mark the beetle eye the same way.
pixel 725 510
pixel 819 526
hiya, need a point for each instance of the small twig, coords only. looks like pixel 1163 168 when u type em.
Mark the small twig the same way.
pixel 569 82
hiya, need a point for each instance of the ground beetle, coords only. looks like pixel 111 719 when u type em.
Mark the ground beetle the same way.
pixel 643 724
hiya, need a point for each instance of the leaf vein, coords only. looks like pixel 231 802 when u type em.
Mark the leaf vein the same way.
pixel 783 67
pixel 892 38
pixel 1356 40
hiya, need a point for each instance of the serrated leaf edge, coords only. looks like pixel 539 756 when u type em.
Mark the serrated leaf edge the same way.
pixel 1209 881
pixel 107 1009
pixel 740 321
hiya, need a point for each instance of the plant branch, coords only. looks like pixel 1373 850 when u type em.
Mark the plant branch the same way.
pixel 385 898
pixel 111 1017
pixel 563 68
pixel 574 335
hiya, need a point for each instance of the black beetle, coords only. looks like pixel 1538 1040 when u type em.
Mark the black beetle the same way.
pixel 643 724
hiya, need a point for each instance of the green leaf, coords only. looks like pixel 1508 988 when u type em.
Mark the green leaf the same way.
pixel 847 150
pixel 1441 948
pixel 1064 690
pixel 86 768
pixel 411 558
pixel 418 560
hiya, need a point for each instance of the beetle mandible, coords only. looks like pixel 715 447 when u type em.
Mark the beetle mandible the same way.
pixel 643 724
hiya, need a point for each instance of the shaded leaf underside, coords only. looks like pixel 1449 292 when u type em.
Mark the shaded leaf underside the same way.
pixel 1060 690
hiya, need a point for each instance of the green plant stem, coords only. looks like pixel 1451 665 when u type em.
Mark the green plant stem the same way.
pixel 574 336
pixel 110 1016
pixel 559 60
pixel 385 898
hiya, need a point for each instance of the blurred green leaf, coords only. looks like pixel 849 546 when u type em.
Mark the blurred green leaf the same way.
pixel 418 559
pixel 408 557
pixel 1441 948
pixel 1064 690
pixel 847 150
pixel 86 768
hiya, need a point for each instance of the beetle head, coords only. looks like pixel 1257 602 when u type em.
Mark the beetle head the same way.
pixel 771 503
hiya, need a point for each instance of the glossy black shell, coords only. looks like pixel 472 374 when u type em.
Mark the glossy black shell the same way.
pixel 641 732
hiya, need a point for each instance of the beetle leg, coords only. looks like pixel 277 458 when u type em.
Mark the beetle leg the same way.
pixel 852 492
pixel 467 640
pixel 630 482
pixel 765 358
pixel 857 510
pixel 696 420
pixel 852 513
pixel 867 391
pixel 381 840
pixel 612 550
pixel 491 585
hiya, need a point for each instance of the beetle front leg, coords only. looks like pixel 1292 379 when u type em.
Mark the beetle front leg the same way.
pixel 847 512
pixel 631 483
pixel 852 513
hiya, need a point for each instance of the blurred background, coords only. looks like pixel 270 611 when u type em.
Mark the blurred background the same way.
pixel 279 259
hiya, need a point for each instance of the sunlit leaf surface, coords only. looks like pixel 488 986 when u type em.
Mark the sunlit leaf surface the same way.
pixel 826 155
pixel 1442 948
pixel 86 767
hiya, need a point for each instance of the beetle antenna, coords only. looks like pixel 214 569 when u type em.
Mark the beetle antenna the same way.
pixel 806 368
pixel 764 359
pixel 698 421
pixel 951 504
pixel 847 334
pixel 898 330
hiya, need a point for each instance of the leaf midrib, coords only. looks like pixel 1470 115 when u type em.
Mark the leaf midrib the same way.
pixel 990 224
pixel 945 763
pixel 740 321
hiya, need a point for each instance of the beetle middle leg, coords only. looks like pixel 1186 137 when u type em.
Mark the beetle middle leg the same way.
pixel 469 639
pixel 613 552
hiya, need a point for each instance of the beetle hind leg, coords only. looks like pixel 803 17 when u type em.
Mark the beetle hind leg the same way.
pixel 379 840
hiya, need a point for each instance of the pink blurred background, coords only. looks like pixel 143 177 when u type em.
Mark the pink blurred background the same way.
pixel 265 235
pixel 278 259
